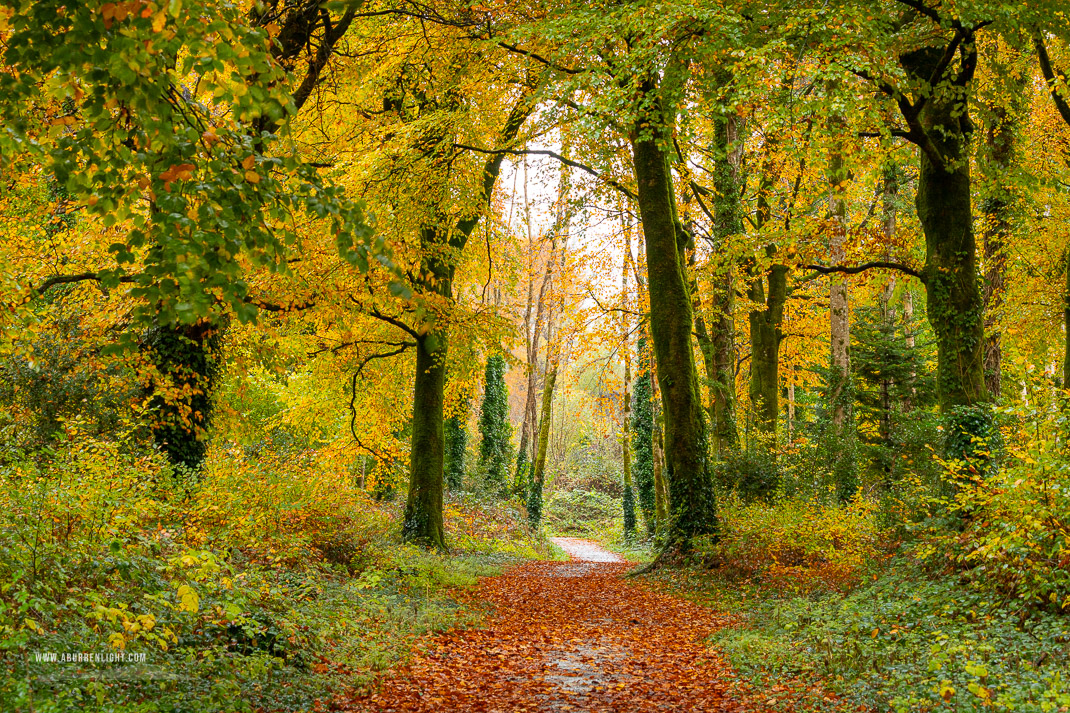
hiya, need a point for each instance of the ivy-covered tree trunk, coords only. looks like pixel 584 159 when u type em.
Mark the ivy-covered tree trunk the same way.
pixel 643 437
pixel 423 509
pixel 671 323
pixel 456 435
pixel 538 473
pixel 955 307
pixel 189 356
pixel 494 425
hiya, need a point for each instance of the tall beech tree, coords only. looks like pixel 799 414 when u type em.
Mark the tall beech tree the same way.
pixel 934 104
pixel 671 323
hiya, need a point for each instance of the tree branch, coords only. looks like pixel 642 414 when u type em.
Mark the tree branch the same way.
pixel 353 392
pixel 553 154
pixel 57 280
pixel 538 58
pixel 878 265
pixel 1051 76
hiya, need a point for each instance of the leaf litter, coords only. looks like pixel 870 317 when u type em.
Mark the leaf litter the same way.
pixel 568 636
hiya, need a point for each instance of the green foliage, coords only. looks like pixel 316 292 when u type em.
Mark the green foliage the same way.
pixel 894 385
pixel 752 472
pixel 581 512
pixel 643 441
pixel 1004 527
pixel 60 376
pixel 796 544
pixel 971 434
pixel 144 119
pixel 494 426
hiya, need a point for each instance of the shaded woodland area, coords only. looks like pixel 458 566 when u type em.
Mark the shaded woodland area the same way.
pixel 316 314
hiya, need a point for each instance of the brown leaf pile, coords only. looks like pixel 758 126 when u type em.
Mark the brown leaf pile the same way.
pixel 568 636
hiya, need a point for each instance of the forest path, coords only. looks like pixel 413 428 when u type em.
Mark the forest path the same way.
pixel 569 636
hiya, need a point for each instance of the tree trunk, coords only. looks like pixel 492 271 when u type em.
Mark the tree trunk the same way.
pixel 765 321
pixel 423 510
pixel 765 335
pixel 188 355
pixel 719 352
pixel 538 473
pixel 943 201
pixel 890 195
pixel 643 428
pixel 689 479
pixel 628 500
pixel 839 314
pixel 662 501
pixel 998 157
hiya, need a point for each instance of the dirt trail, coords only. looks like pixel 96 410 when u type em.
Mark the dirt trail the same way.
pixel 569 636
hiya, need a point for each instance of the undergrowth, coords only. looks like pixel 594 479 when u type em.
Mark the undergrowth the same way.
pixel 260 585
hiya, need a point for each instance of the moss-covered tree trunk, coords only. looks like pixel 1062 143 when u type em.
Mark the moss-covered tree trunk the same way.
pixel 717 340
pixel 765 337
pixel 538 473
pixel 689 480
pixel 423 509
pixel 628 499
pixel 944 205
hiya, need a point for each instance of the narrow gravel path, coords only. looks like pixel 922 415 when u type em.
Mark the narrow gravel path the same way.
pixel 569 636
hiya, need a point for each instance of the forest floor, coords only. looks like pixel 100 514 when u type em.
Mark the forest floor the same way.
pixel 569 636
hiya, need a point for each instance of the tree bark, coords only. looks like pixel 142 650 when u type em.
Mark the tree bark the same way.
pixel 720 350
pixel 943 201
pixel 765 336
pixel 423 509
pixel 538 473
pixel 643 427
pixel 689 479
pixel 766 320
